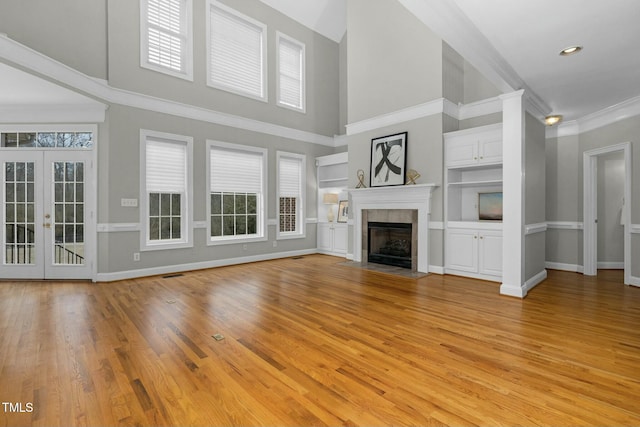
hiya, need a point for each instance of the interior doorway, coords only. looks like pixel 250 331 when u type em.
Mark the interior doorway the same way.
pixel 590 207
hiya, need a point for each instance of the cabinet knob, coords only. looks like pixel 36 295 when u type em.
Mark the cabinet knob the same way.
pixel 475 237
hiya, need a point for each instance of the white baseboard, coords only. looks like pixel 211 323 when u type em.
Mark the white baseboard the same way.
pixel 153 271
pixel 564 267
pixel 611 265
pixel 634 281
pixel 534 281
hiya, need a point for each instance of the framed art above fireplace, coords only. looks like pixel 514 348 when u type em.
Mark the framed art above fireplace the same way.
pixel 388 160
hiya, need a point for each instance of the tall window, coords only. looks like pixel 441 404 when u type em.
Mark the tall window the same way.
pixel 291 170
pixel 166 190
pixel 291 69
pixel 237 182
pixel 236 52
pixel 166 37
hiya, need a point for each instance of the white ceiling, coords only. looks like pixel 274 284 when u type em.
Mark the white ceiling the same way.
pixel 20 88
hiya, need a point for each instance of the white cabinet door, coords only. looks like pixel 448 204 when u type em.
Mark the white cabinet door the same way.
pixel 462 152
pixel 462 250
pixel 490 149
pixel 340 238
pixel 325 236
pixel 490 253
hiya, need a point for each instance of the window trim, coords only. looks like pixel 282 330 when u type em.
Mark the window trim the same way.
pixel 264 58
pixel 303 83
pixel 187 59
pixel 302 229
pixel 186 240
pixel 263 235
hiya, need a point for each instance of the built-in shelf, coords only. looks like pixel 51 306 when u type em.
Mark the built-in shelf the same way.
pixel 473 163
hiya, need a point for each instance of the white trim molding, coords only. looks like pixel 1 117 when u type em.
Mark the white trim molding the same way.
pixel 395 117
pixel 635 228
pixel 535 228
pixel 564 225
pixel 53 70
pixel 574 268
pixel 607 116
pixel 534 281
pixel 167 269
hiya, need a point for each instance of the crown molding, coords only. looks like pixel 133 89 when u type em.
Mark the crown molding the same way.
pixel 399 116
pixel 604 117
pixel 41 65
pixel 446 19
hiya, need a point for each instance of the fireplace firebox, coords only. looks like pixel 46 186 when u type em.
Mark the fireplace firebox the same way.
pixel 390 243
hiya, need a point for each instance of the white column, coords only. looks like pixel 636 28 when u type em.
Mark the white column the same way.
pixel 513 275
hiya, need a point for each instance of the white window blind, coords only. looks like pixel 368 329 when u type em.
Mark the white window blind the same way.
pixel 291 66
pixel 236 52
pixel 290 177
pixel 166 33
pixel 235 171
pixel 166 166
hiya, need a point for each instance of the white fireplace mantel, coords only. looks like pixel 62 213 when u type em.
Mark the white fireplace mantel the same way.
pixel 413 197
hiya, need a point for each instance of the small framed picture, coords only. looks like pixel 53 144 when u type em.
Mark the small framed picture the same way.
pixel 490 206
pixel 343 211
pixel 388 160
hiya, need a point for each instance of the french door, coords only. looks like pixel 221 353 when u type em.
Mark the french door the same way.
pixel 46 214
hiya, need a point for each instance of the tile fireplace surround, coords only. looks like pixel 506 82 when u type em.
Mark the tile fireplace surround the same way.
pixel 407 200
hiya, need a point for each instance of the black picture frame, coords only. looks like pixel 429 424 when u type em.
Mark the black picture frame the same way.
pixel 388 160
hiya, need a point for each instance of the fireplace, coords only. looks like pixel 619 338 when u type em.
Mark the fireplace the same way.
pixel 389 243
pixel 409 204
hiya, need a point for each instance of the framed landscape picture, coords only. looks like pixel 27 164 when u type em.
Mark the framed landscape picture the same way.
pixel 490 206
pixel 388 160
pixel 343 211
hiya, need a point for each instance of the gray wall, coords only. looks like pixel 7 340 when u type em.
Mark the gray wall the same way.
pixel 535 194
pixel 73 32
pixel 322 68
pixel 119 166
pixel 394 60
pixel 565 189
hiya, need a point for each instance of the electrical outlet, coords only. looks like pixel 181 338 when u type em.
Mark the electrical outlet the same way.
pixel 136 256
pixel 275 244
pixel 244 247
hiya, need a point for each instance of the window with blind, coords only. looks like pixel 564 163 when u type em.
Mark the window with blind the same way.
pixel 237 182
pixel 291 69
pixel 166 37
pixel 291 172
pixel 166 190
pixel 236 52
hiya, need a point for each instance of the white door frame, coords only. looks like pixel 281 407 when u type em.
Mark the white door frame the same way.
pixel 91 183
pixel 590 208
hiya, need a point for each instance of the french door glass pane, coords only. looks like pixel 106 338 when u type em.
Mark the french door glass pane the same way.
pixel 19 221
pixel 68 218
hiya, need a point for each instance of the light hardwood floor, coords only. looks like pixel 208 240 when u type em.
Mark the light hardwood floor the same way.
pixel 311 342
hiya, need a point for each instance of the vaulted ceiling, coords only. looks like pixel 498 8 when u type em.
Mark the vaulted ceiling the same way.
pixel 516 44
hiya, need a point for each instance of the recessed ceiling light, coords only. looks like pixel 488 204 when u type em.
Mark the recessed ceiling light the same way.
pixel 552 120
pixel 570 50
